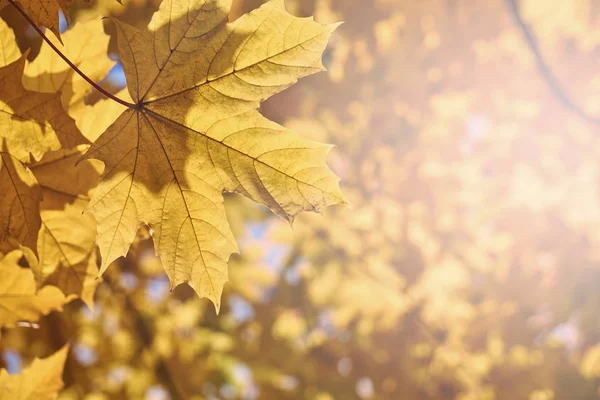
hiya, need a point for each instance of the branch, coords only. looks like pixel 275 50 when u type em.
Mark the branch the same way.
pixel 73 66
pixel 543 68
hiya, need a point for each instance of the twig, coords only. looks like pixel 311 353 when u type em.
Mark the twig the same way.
pixel 544 69
pixel 73 66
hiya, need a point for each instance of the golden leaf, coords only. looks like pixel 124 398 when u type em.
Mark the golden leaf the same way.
pixel 45 12
pixel 42 380
pixel 195 132
pixel 19 300
pixel 85 46
pixel 9 51
pixel 67 251
pixel 93 120
pixel 19 203
pixel 65 183
pixel 66 243
pixel 32 123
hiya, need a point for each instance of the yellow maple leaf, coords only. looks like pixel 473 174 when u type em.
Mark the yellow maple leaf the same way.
pixel 93 120
pixel 64 183
pixel 19 300
pixel 9 51
pixel 67 251
pixel 32 123
pixel 41 380
pixel 66 244
pixel 85 45
pixel 194 132
pixel 19 203
pixel 44 12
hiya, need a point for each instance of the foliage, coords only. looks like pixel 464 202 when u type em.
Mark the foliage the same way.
pixel 41 380
pixel 466 267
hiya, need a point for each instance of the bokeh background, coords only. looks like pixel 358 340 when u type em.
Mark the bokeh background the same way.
pixel 468 267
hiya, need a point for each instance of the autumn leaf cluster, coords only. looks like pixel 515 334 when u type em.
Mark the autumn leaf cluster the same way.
pixel 78 180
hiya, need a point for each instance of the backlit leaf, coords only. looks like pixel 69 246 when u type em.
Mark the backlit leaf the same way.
pixel 67 254
pixel 19 299
pixel 65 183
pixel 20 197
pixel 195 132
pixel 85 45
pixel 9 51
pixel 94 120
pixel 66 244
pixel 32 123
pixel 42 380
pixel 45 12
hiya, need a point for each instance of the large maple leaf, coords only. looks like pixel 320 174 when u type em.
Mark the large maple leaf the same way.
pixel 195 132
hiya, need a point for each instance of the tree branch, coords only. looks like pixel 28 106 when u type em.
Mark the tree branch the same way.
pixel 73 66
pixel 543 68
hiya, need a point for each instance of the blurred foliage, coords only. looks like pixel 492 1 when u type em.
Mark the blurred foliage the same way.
pixel 466 268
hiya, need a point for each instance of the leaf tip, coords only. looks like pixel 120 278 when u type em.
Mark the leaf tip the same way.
pixel 335 25
pixel 217 304
pixel 90 306
pixel 56 32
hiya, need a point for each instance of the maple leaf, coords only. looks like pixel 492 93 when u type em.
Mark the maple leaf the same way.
pixel 67 252
pixel 95 119
pixel 195 132
pixel 20 197
pixel 85 45
pixel 66 244
pixel 19 300
pixel 62 182
pixel 9 51
pixel 32 123
pixel 44 12
pixel 41 380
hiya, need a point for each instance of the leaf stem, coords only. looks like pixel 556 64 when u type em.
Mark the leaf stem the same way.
pixel 73 66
